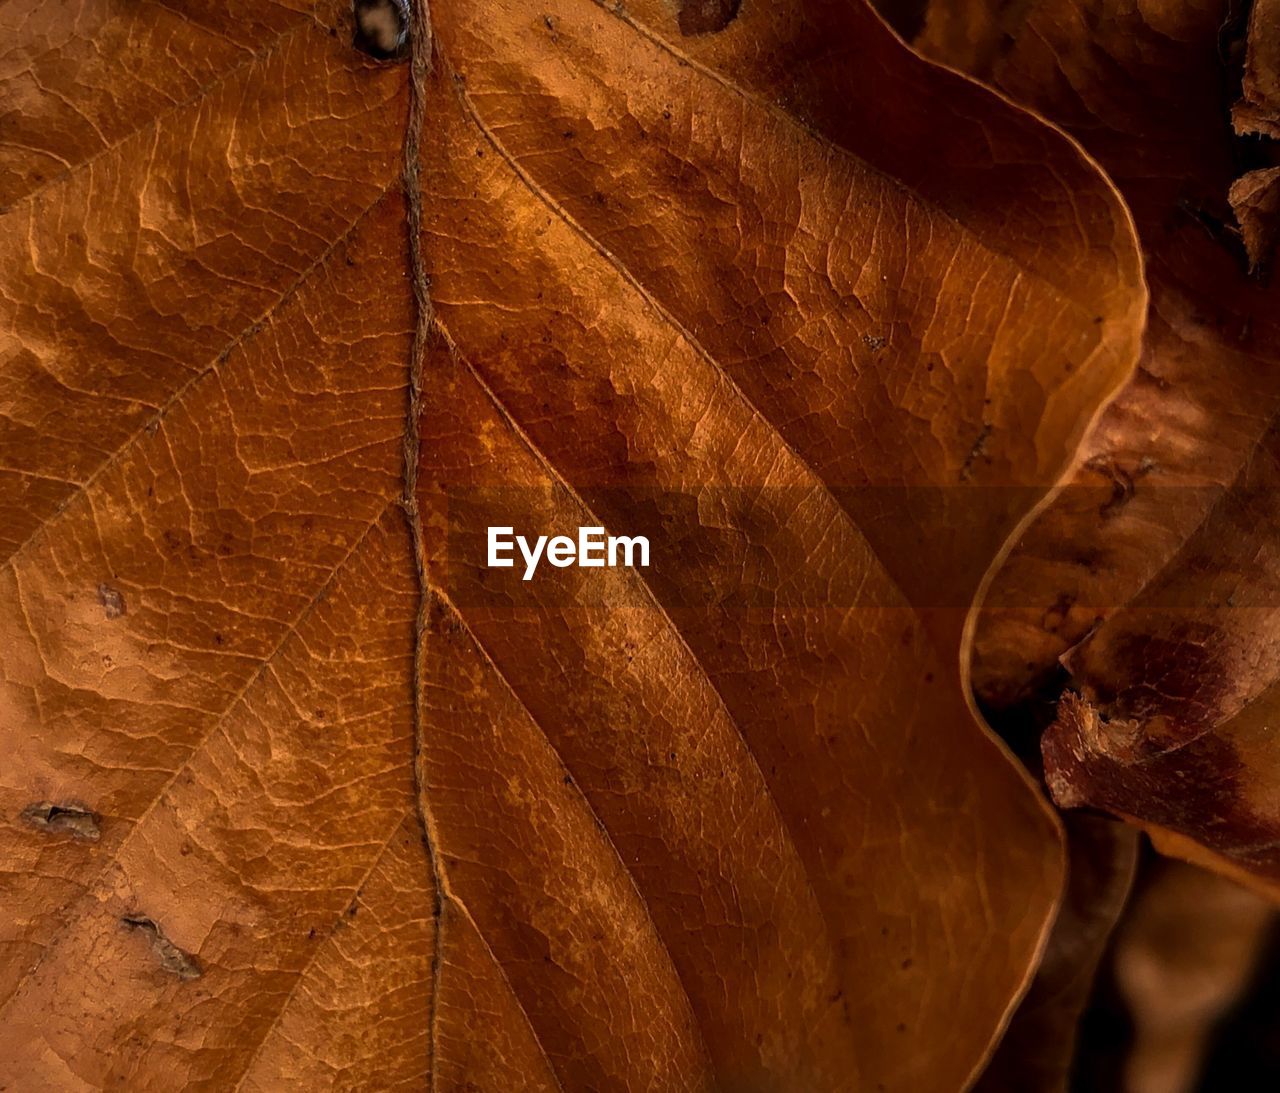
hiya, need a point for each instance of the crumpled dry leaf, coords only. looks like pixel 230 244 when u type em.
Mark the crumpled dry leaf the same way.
pixel 1255 200
pixel 726 821
pixel 1258 111
pixel 1145 98
pixel 1159 580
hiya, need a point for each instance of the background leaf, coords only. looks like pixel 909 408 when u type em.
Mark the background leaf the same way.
pixel 1158 579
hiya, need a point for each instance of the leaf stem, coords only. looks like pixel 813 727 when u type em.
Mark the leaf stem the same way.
pixel 420 65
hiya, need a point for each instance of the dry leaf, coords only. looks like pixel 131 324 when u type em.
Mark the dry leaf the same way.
pixel 1144 93
pixel 1037 1052
pixel 1159 578
pixel 728 821
pixel 1259 108
pixel 1255 200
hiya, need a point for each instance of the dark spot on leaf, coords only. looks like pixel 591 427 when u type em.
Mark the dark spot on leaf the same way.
pixel 1057 613
pixel 79 823
pixel 975 453
pixel 1123 482
pixel 170 957
pixel 112 601
pixel 706 16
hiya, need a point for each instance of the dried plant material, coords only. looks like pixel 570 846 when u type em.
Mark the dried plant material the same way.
pixel 730 821
pixel 1258 111
pixel 1144 95
pixel 1154 566
pixel 1255 199
pixel 672 387
pixel 1036 1053
pixel 1186 950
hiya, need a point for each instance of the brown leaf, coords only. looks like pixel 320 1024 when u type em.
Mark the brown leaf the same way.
pixel 1145 95
pixel 726 821
pixel 207 605
pixel 1159 580
pixel 608 256
pixel 1258 111
pixel 1255 199
pixel 1036 1053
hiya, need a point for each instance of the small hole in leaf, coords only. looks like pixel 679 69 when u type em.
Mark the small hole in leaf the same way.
pixel 382 28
